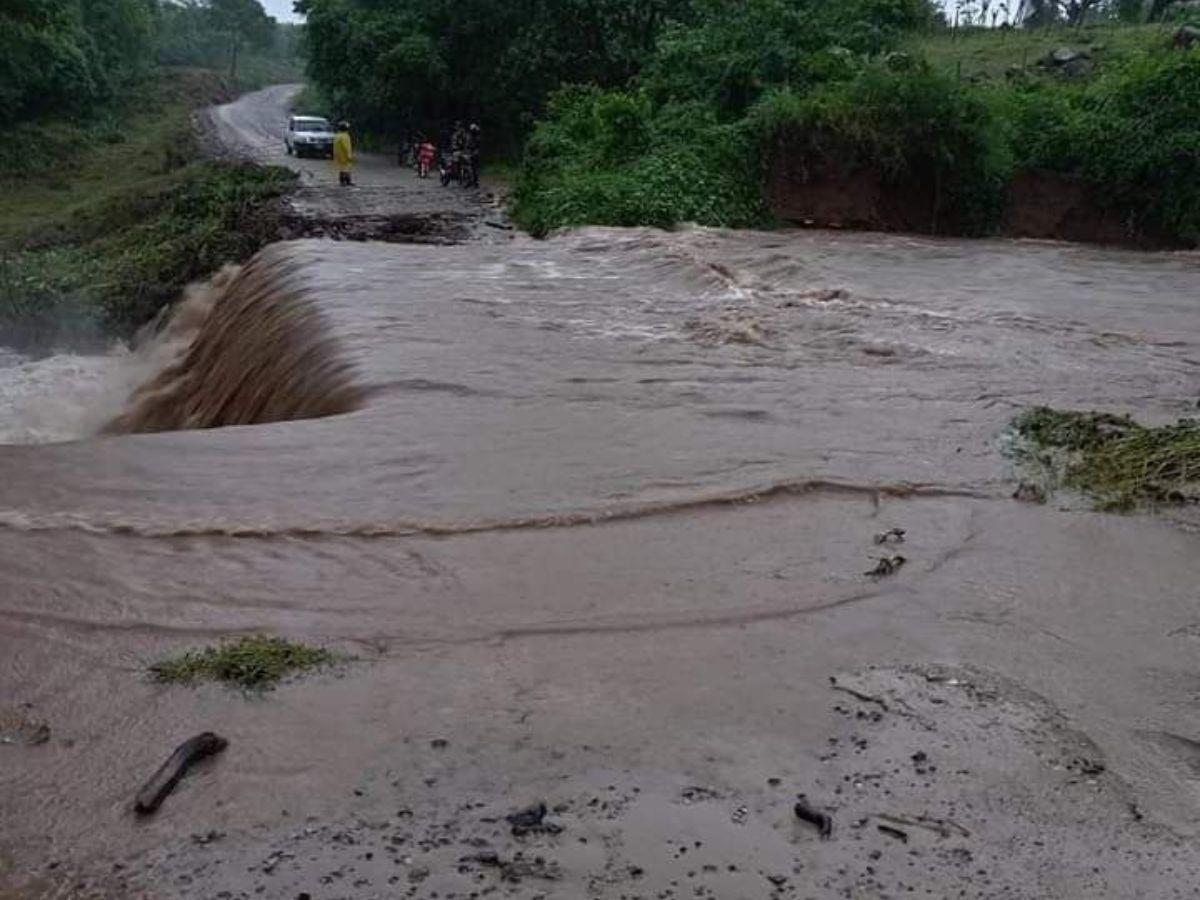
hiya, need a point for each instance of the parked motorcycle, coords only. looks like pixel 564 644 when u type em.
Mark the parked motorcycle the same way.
pixel 459 167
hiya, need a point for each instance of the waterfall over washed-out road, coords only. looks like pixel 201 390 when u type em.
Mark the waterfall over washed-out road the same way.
pixel 592 514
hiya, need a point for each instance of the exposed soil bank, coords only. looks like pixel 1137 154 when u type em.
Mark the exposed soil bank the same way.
pixel 1039 204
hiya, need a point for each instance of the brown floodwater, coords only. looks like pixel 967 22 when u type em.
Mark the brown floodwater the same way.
pixel 615 490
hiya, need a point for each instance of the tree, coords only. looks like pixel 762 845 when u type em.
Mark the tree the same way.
pixel 243 22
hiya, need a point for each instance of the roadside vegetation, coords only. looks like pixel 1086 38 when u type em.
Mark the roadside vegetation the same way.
pixel 1112 459
pixel 653 113
pixel 109 209
pixel 255 662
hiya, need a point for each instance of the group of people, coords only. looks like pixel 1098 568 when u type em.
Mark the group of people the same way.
pixel 464 149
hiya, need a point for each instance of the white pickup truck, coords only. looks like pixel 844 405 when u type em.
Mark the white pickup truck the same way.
pixel 309 136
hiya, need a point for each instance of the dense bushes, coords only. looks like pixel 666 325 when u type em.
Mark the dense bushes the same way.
pixel 1134 133
pixel 910 126
pixel 609 158
pixel 64 55
pixel 114 263
pixel 691 140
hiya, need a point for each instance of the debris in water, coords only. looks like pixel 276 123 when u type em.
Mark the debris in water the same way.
pixel 252 662
pixel 896 833
pixel 155 791
pixel 531 819
pixel 895 535
pixel 887 565
pixel 812 815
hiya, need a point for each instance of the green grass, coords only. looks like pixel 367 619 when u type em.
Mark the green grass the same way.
pixel 989 53
pixel 256 662
pixel 110 218
pixel 1114 460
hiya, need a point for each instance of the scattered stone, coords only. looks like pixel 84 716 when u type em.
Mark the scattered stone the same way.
pixel 823 821
pixel 887 565
pixel 531 819
pixel 1187 36
pixel 1028 492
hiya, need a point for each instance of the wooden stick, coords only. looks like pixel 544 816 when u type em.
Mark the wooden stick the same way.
pixel 155 791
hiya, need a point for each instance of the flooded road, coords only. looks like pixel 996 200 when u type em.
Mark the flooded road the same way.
pixel 596 535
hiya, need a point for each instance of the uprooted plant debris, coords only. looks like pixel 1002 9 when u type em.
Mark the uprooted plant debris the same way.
pixel 254 662
pixel 1113 459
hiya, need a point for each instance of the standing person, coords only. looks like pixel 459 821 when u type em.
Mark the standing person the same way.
pixel 343 153
pixel 426 154
pixel 473 153
pixel 458 138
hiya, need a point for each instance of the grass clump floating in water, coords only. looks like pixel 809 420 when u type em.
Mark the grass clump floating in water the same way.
pixel 255 662
pixel 1113 459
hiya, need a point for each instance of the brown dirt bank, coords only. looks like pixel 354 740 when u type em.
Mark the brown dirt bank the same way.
pixel 1039 204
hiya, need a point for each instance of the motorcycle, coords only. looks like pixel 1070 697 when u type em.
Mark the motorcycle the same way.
pixel 458 167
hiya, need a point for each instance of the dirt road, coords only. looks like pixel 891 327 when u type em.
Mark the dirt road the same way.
pixel 387 200
pixel 599 539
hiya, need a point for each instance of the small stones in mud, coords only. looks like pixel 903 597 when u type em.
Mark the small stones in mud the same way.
pixel 887 565
pixel 807 813
pixel 892 535
pixel 1086 766
pixel 531 819
pixel 1028 492
pixel 740 815
pixel 20 728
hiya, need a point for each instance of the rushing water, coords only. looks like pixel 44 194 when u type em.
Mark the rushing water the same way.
pixel 486 393
pixel 608 368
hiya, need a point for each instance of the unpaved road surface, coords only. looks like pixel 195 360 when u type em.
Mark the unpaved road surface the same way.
pixel 598 540
pixel 387 200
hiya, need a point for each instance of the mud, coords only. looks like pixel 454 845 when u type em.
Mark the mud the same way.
pixel 592 549
pixel 828 193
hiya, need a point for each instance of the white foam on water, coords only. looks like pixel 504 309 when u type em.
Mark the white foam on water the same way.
pixel 61 397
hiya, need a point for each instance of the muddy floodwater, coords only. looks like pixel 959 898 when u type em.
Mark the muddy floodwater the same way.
pixel 595 534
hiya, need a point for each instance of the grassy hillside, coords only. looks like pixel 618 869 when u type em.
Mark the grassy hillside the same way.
pixel 989 53
pixel 105 220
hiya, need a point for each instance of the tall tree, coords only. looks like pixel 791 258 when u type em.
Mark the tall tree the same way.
pixel 243 22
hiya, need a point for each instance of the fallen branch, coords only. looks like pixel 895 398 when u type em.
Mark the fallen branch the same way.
pixel 160 785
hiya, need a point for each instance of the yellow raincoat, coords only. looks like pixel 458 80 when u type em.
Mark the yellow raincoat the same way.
pixel 343 152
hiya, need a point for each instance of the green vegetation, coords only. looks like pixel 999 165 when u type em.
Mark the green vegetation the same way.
pixel 989 54
pixel 658 112
pixel 107 209
pixel 113 218
pixel 1116 461
pixel 251 663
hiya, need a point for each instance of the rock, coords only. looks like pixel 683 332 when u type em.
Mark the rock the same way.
pixel 1028 492
pixel 1067 61
pixel 1186 37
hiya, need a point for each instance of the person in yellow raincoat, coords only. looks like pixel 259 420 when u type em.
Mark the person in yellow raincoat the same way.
pixel 343 153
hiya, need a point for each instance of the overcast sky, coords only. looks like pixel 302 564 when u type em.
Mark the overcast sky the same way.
pixel 281 10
